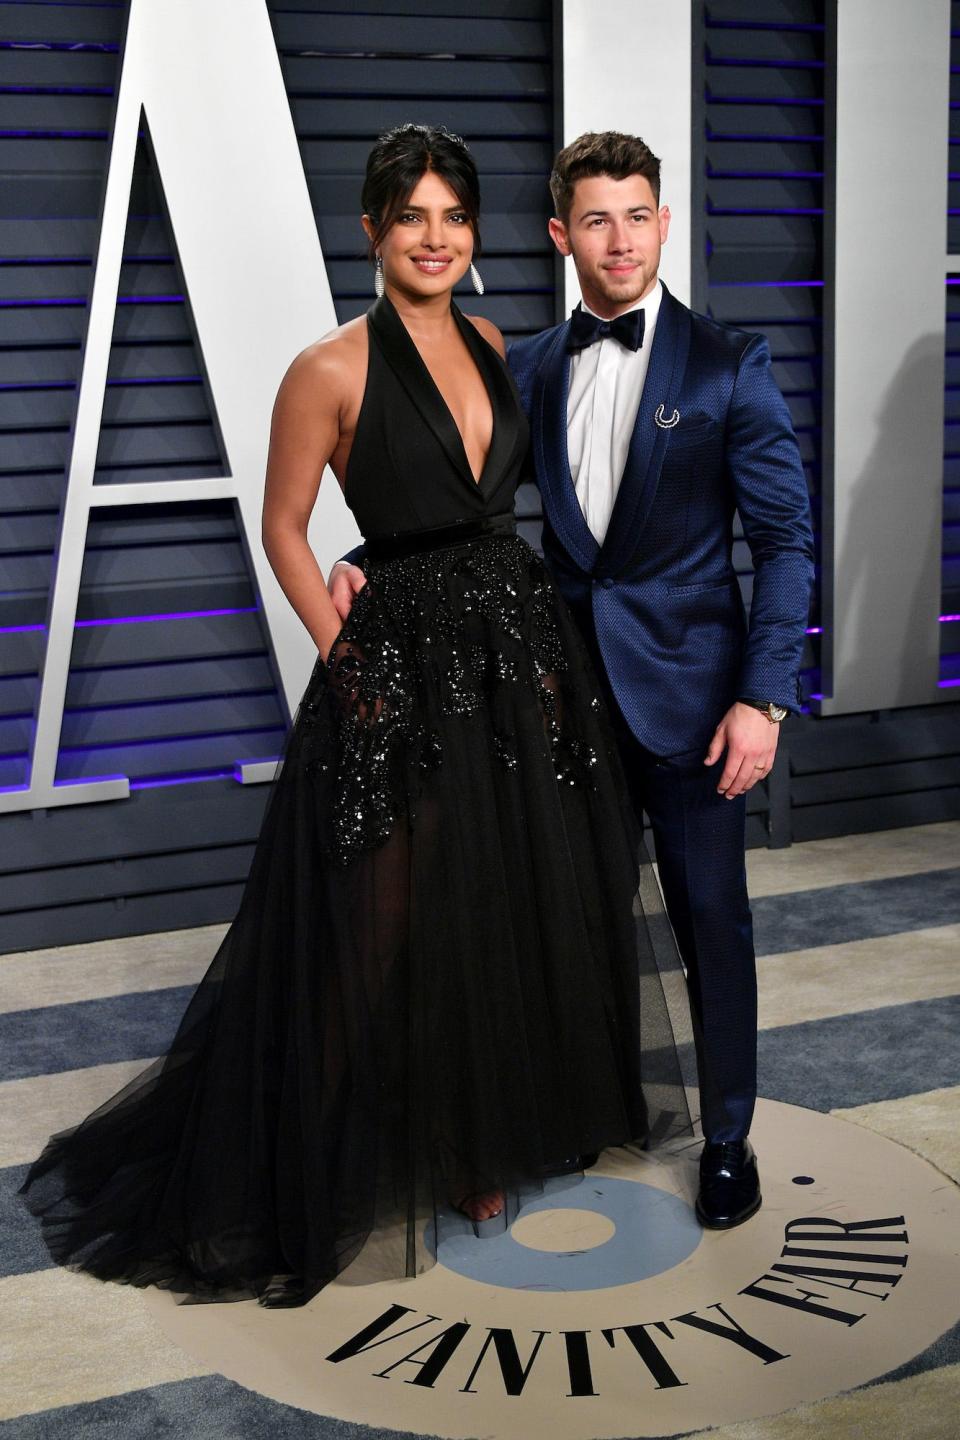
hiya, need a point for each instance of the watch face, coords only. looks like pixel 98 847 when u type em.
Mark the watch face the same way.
pixel 778 712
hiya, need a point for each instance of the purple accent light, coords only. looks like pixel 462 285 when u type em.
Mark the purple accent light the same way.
pixel 48 260
pixel 768 285
pixel 61 300
pixel 136 619
pixel 815 630
pixel 783 139
pixel 149 299
pixel 766 174
pixel 766 100
pixel 54 135
pixel 171 615
pixel 744 64
pixel 780 210
pixel 164 780
pixel 56 90
pixel 159 380
pixel 713 24
pixel 38 385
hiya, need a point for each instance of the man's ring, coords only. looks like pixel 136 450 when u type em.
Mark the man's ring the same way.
pixel 759 767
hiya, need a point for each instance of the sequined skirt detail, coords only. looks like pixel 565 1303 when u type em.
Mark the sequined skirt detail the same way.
pixel 468 631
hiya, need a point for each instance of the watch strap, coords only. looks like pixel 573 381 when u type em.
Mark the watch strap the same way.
pixel 775 713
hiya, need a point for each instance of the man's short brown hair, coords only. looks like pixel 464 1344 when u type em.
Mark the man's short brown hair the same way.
pixel 606 153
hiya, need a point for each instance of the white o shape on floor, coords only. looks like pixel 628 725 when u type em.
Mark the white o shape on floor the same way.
pixel 558 1231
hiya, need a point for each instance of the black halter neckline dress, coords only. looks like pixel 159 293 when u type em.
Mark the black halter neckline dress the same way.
pixel 441 978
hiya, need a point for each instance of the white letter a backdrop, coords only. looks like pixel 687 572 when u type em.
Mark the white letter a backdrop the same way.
pixel 207 76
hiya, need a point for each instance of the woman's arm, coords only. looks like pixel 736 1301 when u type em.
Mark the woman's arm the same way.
pixel 304 433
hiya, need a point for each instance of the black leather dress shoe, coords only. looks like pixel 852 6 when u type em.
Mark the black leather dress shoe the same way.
pixel 729 1184
pixel 570 1165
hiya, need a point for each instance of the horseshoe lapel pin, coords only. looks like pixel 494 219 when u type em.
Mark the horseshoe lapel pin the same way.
pixel 666 424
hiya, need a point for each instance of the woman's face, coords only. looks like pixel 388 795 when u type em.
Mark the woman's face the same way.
pixel 429 246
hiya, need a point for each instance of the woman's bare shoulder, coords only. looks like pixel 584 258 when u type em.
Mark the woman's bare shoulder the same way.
pixel 339 349
pixel 334 362
pixel 489 332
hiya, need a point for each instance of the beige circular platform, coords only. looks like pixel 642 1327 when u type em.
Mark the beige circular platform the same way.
pixel 850 1268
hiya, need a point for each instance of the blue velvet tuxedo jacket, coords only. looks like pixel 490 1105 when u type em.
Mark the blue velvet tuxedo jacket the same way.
pixel 659 600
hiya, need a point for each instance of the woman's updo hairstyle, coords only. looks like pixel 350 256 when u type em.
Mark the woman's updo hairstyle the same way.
pixel 395 165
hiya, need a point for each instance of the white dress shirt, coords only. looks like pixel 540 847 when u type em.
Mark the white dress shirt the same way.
pixel 606 383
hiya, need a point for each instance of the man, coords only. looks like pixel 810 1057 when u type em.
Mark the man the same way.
pixel 650 426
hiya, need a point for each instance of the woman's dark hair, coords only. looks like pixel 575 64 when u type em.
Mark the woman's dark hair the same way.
pixel 395 165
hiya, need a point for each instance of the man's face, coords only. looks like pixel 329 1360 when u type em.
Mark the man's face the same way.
pixel 614 233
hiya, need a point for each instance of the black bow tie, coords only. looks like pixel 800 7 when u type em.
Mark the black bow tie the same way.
pixel 587 329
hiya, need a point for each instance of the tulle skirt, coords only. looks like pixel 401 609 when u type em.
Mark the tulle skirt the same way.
pixel 447 973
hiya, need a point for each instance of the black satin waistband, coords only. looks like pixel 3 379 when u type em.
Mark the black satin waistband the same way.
pixel 413 542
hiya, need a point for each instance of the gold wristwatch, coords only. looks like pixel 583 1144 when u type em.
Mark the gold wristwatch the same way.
pixel 775 713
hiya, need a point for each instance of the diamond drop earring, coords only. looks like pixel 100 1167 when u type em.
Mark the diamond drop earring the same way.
pixel 475 277
pixel 378 284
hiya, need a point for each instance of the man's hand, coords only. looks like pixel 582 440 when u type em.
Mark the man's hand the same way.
pixel 750 741
pixel 345 582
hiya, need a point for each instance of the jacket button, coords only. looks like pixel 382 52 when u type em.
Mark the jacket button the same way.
pixel 608 582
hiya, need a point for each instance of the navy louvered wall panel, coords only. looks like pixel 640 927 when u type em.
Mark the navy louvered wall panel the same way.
pixel 759 262
pixel 758 79
pixel 170 678
pixel 487 76
pixel 762 121
pixel 950 622
pixel 184 696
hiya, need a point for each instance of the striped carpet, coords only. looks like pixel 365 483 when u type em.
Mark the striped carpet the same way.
pixel 863 1024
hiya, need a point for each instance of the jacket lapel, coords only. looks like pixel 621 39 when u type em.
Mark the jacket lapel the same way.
pixel 641 475
pixel 549 427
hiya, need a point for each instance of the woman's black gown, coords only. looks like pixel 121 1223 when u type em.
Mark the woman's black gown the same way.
pixel 441 978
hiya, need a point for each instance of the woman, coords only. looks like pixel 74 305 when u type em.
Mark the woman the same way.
pixel 431 994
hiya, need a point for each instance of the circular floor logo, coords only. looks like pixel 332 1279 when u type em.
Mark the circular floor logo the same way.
pixel 606 1311
pixel 598 1233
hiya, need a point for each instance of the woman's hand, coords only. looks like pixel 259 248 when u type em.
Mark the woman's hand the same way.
pixel 345 583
